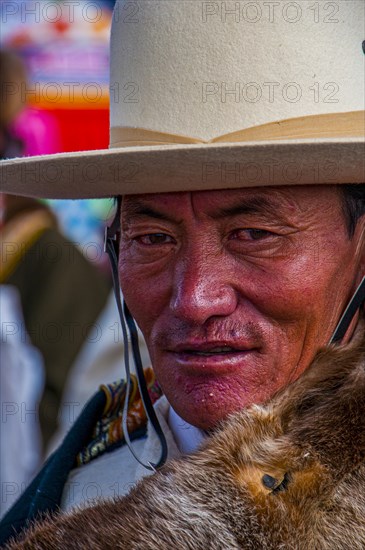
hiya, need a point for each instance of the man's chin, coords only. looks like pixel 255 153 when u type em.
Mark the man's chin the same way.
pixel 204 397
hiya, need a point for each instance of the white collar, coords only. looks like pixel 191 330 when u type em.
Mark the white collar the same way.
pixel 188 438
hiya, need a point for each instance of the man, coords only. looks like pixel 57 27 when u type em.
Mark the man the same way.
pixel 238 250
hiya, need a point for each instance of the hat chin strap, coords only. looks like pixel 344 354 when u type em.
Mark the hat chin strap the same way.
pixel 126 319
pixel 128 324
pixel 354 304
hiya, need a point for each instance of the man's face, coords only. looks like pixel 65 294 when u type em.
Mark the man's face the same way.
pixel 235 290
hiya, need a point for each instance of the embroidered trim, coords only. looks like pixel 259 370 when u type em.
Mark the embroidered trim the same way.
pixel 108 430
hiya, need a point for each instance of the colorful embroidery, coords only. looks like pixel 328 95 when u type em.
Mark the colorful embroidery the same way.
pixel 108 430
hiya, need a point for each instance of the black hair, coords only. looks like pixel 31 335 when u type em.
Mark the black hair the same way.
pixel 353 205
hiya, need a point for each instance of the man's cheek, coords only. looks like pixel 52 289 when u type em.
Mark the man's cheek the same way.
pixel 295 289
pixel 144 303
pixel 282 299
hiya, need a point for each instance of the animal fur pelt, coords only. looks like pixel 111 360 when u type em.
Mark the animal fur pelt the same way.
pixel 287 475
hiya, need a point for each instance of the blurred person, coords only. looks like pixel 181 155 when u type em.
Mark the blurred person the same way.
pixel 61 293
pixel 24 129
pixel 38 260
pixel 12 76
pixel 21 387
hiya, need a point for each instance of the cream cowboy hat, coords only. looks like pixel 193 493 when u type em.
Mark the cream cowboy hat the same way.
pixel 212 95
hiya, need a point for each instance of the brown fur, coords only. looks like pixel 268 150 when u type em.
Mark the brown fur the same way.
pixel 310 438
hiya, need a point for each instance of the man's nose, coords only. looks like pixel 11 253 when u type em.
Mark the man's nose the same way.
pixel 203 288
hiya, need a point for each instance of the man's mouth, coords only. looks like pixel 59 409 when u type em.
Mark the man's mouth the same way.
pixel 211 349
pixel 216 358
pixel 220 350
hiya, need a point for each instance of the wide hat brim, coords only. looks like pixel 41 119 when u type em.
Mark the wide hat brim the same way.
pixel 202 100
pixel 186 167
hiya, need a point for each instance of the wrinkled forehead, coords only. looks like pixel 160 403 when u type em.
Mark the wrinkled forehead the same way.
pixel 230 202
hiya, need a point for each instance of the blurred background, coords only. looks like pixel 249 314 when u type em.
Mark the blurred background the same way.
pixel 65 50
pixel 60 334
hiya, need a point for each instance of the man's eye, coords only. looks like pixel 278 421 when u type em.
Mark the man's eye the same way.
pixel 155 238
pixel 252 234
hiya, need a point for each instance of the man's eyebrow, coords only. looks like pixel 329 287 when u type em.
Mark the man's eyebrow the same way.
pixel 140 210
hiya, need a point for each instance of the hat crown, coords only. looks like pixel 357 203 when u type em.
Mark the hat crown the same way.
pixel 219 95
pixel 204 69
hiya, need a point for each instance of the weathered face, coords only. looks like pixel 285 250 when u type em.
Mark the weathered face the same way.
pixel 235 290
